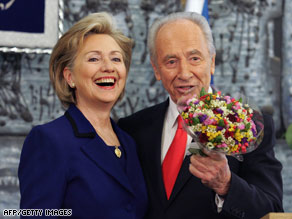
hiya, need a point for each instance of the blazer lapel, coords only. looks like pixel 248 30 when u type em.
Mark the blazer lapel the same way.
pixel 131 164
pixel 96 150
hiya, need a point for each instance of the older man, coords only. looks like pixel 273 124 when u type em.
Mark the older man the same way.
pixel 183 186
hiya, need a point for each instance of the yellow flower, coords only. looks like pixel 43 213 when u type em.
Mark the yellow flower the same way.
pixel 185 115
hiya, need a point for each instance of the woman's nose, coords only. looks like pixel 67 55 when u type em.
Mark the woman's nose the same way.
pixel 107 65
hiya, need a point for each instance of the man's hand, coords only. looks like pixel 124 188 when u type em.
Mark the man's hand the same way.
pixel 213 171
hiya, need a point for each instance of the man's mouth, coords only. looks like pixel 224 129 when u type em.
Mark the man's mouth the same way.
pixel 106 82
pixel 184 88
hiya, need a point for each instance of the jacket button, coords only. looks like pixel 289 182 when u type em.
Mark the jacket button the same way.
pixel 237 212
pixel 129 207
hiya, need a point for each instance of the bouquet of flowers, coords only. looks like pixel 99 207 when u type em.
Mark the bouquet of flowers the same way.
pixel 221 123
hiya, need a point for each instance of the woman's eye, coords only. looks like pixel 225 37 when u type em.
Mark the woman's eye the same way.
pixel 94 59
pixel 116 59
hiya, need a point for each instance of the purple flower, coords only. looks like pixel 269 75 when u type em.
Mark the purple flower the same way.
pixel 219 111
pixel 202 118
pixel 254 132
pixel 244 140
pixel 219 128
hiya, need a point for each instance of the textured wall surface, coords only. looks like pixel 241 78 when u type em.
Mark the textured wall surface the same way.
pixel 254 56
pixel 287 65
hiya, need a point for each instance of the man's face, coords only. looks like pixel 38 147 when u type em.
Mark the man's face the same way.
pixel 183 60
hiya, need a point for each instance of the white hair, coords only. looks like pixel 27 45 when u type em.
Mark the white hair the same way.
pixel 192 16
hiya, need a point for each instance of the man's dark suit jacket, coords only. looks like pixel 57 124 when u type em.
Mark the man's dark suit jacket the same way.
pixel 256 183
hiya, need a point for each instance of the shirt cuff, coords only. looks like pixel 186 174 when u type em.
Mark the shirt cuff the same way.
pixel 219 202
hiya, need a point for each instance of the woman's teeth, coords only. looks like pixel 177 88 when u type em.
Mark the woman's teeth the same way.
pixel 105 82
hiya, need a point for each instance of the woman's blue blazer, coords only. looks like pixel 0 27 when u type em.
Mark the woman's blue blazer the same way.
pixel 65 165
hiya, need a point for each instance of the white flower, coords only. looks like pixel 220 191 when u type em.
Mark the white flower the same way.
pixel 210 145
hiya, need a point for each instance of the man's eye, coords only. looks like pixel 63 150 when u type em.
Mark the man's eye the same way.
pixel 171 62
pixel 195 58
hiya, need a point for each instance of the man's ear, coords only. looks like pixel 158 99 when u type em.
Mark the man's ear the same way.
pixel 213 64
pixel 156 71
pixel 67 74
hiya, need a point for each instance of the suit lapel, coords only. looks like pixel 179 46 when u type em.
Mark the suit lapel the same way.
pixel 157 179
pixel 95 149
pixel 154 143
pixel 153 150
pixel 183 176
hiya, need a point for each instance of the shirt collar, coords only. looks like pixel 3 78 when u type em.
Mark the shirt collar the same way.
pixel 172 112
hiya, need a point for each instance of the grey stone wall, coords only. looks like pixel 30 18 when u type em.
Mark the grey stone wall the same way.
pixel 253 43
pixel 287 65
pixel 248 38
pixel 10 150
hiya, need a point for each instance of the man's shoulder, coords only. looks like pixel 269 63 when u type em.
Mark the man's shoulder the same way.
pixel 146 113
pixel 143 117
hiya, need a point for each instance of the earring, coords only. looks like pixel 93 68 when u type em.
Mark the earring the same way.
pixel 73 85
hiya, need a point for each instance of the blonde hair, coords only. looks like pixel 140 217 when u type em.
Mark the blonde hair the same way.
pixel 66 49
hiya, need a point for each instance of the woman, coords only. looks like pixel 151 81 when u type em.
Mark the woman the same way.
pixel 82 160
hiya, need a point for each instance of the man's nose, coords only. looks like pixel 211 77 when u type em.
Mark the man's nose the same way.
pixel 107 65
pixel 184 73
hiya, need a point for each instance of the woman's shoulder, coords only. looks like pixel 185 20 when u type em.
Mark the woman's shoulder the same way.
pixel 50 131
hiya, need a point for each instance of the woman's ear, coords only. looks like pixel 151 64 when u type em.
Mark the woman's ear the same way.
pixel 67 74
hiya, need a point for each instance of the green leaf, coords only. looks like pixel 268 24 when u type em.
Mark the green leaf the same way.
pixel 221 123
pixel 197 152
pixel 288 135
pixel 240 100
pixel 229 106
pixel 203 92
pixel 196 120
pixel 247 126
pixel 218 138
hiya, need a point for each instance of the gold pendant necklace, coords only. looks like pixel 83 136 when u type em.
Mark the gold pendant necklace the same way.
pixel 118 152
